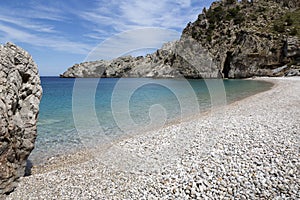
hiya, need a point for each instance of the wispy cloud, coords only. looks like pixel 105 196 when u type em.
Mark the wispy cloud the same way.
pixel 37 25
pixel 39 11
pixel 130 41
pixel 54 42
pixel 122 15
pixel 27 24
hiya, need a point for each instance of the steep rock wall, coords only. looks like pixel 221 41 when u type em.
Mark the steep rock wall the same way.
pixel 20 94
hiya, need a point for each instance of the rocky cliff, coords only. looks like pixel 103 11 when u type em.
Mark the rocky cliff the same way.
pixel 242 39
pixel 184 58
pixel 20 94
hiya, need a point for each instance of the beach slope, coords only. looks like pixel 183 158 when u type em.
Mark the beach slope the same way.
pixel 248 149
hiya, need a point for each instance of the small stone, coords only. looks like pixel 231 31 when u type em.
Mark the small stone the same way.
pixel 193 191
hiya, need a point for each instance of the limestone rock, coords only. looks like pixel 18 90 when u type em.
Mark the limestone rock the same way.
pixel 183 58
pixel 293 47
pixel 279 69
pixel 293 72
pixel 241 38
pixel 20 94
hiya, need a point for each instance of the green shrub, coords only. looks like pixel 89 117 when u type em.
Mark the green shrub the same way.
pixel 273 50
pixel 211 27
pixel 294 31
pixel 229 2
pixel 279 28
pixel 239 20
pixel 253 17
pixel 194 34
pixel 261 9
pixel 209 38
pixel 219 12
pixel 232 13
pixel 215 15
pixel 289 20
pixel 265 17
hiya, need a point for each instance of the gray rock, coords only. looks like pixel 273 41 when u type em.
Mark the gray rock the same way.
pixel 241 46
pixel 293 47
pixel 279 69
pixel 20 94
pixel 293 72
pixel 183 58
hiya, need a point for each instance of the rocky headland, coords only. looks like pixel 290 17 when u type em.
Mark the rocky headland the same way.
pixel 20 94
pixel 231 39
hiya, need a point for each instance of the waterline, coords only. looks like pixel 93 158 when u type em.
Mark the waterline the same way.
pixel 57 133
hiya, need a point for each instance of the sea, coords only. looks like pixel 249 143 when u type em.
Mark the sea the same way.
pixel 82 113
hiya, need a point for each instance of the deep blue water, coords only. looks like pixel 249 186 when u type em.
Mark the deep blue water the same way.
pixel 75 113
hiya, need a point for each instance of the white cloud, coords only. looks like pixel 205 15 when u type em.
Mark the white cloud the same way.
pixel 133 40
pixel 54 42
pixel 36 25
pixel 24 23
pixel 39 11
pixel 122 15
pixel 185 3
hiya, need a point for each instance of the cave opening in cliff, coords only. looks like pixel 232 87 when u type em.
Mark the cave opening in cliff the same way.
pixel 227 67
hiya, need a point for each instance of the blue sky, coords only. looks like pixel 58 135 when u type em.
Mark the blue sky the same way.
pixel 60 33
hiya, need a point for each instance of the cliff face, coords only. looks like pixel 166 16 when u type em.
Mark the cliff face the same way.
pixel 20 94
pixel 184 58
pixel 242 39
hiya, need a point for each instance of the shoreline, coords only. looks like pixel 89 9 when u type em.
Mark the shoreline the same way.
pixel 205 155
pixel 85 154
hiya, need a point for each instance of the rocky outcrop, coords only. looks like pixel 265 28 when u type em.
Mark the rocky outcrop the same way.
pixel 20 94
pixel 293 48
pixel 242 38
pixel 183 58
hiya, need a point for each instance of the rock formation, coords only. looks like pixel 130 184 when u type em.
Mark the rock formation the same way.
pixel 243 39
pixel 20 94
pixel 183 58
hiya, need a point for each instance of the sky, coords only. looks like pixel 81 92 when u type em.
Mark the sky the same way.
pixel 60 33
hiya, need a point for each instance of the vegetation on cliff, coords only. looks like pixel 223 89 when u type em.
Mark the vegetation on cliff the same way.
pixel 288 23
pixel 248 38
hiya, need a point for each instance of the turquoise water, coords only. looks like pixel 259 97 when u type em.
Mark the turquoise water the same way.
pixel 112 107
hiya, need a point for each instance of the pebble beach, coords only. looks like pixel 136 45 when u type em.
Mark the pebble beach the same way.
pixel 249 149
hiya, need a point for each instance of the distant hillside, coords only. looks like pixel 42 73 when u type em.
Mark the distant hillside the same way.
pixel 243 38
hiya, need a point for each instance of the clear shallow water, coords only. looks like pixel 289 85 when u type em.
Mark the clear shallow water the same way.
pixel 120 102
